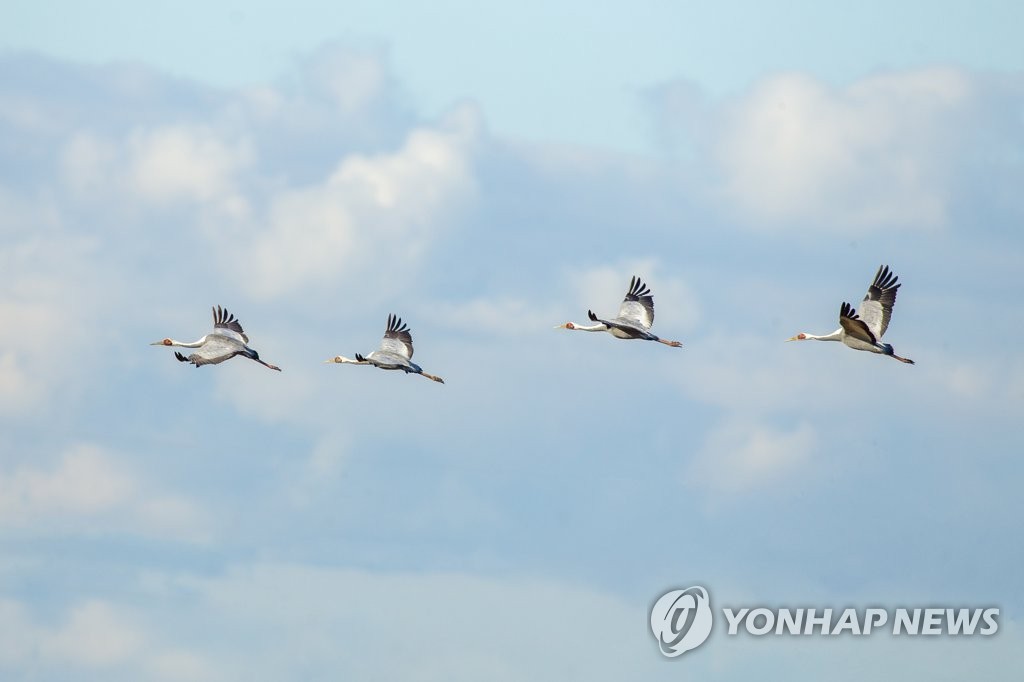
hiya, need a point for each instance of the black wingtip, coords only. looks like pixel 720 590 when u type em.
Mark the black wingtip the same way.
pixel 637 288
pixel 885 278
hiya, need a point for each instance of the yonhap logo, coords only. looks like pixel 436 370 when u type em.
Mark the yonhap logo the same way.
pixel 681 620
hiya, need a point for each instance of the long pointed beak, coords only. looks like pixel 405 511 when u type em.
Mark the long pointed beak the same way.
pixel 157 343
pixel 559 326
pixel 794 338
pixel 329 361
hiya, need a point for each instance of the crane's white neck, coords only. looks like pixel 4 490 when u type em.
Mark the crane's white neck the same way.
pixel 194 344
pixel 837 335
pixel 341 359
pixel 590 328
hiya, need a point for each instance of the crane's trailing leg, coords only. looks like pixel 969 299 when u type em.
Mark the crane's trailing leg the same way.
pixel 433 378
pixel 887 349
pixel 674 344
pixel 267 364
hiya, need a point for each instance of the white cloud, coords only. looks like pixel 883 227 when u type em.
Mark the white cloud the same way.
pixel 497 316
pixel 374 213
pixel 93 636
pixel 267 621
pixel 418 626
pixel 83 483
pixel 352 80
pixel 322 469
pixel 18 391
pixel 41 321
pixel 181 162
pixel 158 166
pixel 739 455
pixel 87 163
pixel 990 384
pixel 87 491
pixel 94 633
pixel 794 152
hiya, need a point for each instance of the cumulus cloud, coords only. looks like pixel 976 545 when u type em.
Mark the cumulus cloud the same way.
pixel 499 316
pixel 159 166
pixel 373 212
pixel 92 637
pixel 870 155
pixel 267 620
pixel 87 491
pixel 740 454
pixel 40 320
pixel 95 634
pixel 795 152
pixel 337 99
pixel 446 625
pixel 353 80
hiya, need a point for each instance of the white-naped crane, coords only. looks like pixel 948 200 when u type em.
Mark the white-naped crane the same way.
pixel 395 352
pixel 636 315
pixel 864 331
pixel 225 342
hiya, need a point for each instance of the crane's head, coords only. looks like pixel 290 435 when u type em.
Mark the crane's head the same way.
pixel 340 359
pixel 567 325
pixel 165 342
pixel 799 337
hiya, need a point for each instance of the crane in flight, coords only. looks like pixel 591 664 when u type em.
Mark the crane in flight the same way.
pixel 395 352
pixel 225 342
pixel 636 315
pixel 864 331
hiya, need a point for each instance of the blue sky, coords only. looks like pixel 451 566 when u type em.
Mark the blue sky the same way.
pixel 487 176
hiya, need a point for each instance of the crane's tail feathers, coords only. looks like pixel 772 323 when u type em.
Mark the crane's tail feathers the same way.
pixel 674 344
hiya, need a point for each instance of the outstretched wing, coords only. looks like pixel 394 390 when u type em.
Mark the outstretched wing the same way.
pixel 853 325
pixel 397 338
pixel 216 350
pixel 876 309
pixel 226 324
pixel 638 306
